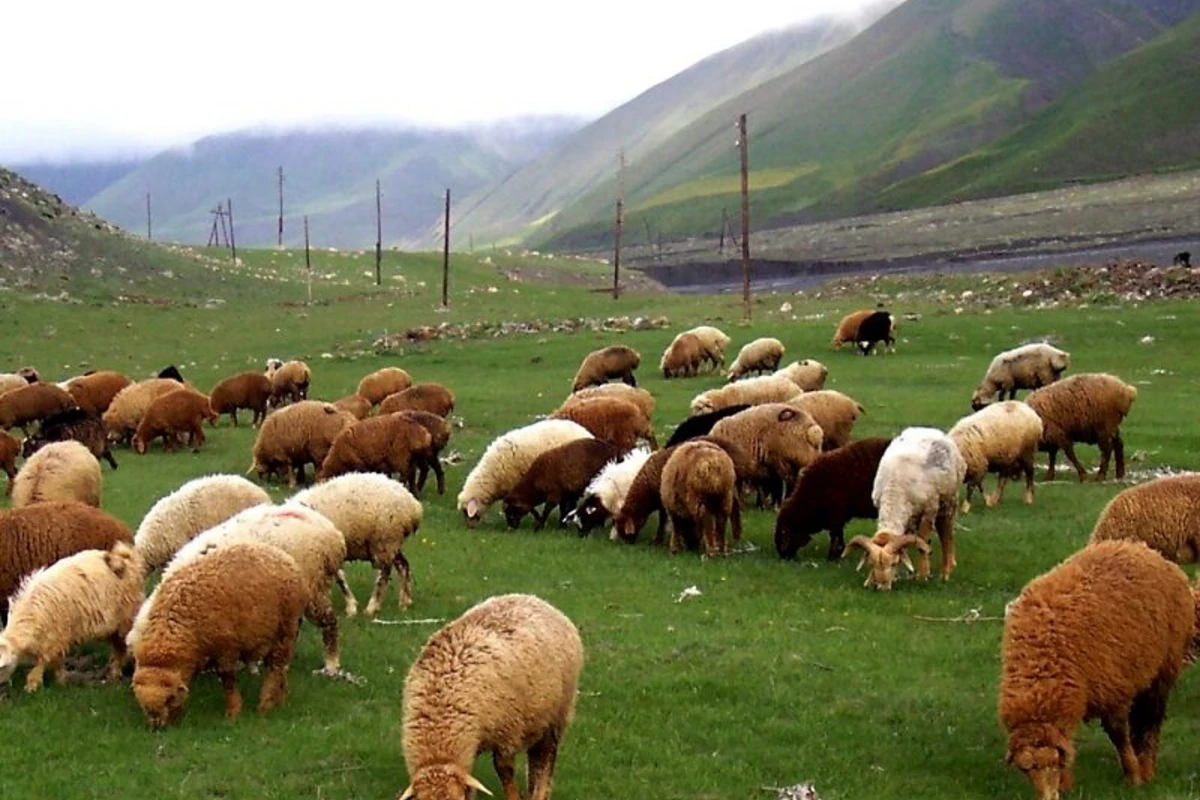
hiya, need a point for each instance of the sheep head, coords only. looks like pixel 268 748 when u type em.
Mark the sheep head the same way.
pixel 9 660
pixel 885 551
pixel 514 512
pixel 1045 756
pixel 162 694
pixel 590 514
pixel 981 399
pixel 472 512
pixel 443 782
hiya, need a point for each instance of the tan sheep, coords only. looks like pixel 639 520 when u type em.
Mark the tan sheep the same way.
pixel 10 381
pixel 356 404
pixel 32 403
pixel 297 435
pixel 610 418
pixel 431 397
pixel 1030 366
pixel 713 342
pixel 639 397
pixel 1163 514
pixel 699 494
pixel 170 416
pixel 616 362
pixel 391 444
pixel 780 437
pixel 383 382
pixel 250 390
pixel 503 678
pixel 847 329
pixel 835 412
pixel 289 383
pixel 751 391
pixel 808 374
pixel 10 448
pixel 240 603
pixel 683 357
pixel 95 392
pixel 126 410
pixel 1089 408
pixel 85 597
pixel 1002 438
pixel 761 355
pixel 61 472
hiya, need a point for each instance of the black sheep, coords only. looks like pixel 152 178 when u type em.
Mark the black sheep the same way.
pixel 74 423
pixel 701 424
pixel 879 327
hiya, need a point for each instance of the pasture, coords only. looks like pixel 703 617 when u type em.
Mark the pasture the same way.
pixel 777 673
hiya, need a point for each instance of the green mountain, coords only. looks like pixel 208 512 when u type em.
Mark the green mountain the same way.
pixel 928 85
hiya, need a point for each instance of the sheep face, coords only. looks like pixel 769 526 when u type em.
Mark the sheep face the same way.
pixel 161 693
pixel 472 512
pixel 885 552
pixel 980 400
pixel 1045 756
pixel 443 782
pixel 514 513
pixel 8 661
pixel 590 515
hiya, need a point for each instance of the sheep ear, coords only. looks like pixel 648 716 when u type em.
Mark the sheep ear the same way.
pixel 474 783
pixel 409 793
pixel 816 436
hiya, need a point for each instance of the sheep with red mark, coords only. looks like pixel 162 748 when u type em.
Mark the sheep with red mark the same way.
pixel 557 477
pixel 248 390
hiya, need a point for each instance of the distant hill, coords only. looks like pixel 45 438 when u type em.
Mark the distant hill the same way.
pixel 77 181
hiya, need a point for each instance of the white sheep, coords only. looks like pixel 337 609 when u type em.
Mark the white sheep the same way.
pixel 808 374
pixel 60 472
pixel 751 391
pixel 1030 366
pixel 1002 438
pixel 760 355
pixel 713 341
pixel 603 497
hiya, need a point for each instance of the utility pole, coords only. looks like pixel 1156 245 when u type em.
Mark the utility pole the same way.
pixel 744 150
pixel 446 256
pixel 616 290
pixel 724 227
pixel 307 260
pixel 232 240
pixel 378 235
pixel 149 227
pixel 280 241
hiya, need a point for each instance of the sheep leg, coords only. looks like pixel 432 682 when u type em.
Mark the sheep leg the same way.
pixel 505 768
pixel 196 439
pixel 1146 718
pixel 539 520
pixel 1069 452
pixel 405 580
pixel 661 531
pixel 1119 451
pixel 717 525
pixel 232 418
pixel 117 662
pixel 735 519
pixel 36 676
pixel 925 532
pixel 676 535
pixel 351 600
pixel 1052 454
pixel 1117 728
pixel 381 581
pixel 542 756
pixel 275 682
pixel 1027 468
pixel 966 503
pixel 233 698
pixel 945 532
pixel 837 542
pixel 106 455
pixel 995 498
pixel 565 506
pixel 320 612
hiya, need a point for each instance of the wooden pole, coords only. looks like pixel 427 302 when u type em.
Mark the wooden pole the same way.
pixel 744 150
pixel 446 256
pixel 724 227
pixel 378 235
pixel 616 290
pixel 224 227
pixel 232 239
pixel 279 243
pixel 307 260
pixel 149 226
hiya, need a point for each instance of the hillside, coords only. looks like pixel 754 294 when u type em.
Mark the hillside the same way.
pixel 76 181
pixel 931 82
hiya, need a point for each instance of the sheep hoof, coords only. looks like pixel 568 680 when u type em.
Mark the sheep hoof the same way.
pixel 966 507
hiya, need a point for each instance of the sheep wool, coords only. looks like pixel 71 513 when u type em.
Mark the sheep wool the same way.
pixel 610 418
pixel 808 374
pixel 60 472
pixel 10 448
pixel 699 493
pixel 622 391
pixel 1163 514
pixel 835 412
pixel 847 329
pixel 249 390
pixel 75 423
pixel 299 434
pixel 1002 438
pixel 1088 408
pixel 760 355
pixel 126 409
pixel 604 495
pixel 431 397
pixel 95 392
pixel 383 382
pixel 713 342
pixel 751 391
pixel 1030 366
pixel 683 357
pixel 32 403
pixel 780 437
pixel 170 416
pixel 608 363
pixel 289 383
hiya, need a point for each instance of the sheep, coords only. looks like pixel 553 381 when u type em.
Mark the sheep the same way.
pixel 1030 366
pixel 834 489
pixel 32 403
pixel 61 472
pixel 127 408
pixel 606 364
pixel 1002 438
pixel 1163 514
pixel 375 515
pixel 558 476
pixel 426 460
pixel 196 506
pixel 431 397
pixel 382 383
pixel 880 326
pixel 297 435
pixel 639 397
pixel 1104 634
pixel 780 437
pixel 604 495
pixel 702 424
pixel 502 677
pixel 1182 259
pixel 250 390
pixel 808 374
pixel 73 424
pixel 171 373
pixel 847 329
pixel 391 444
pixel 12 380
pixel 356 404
pixel 38 535
pixel 95 391
pixel 1088 408
pixel 699 494
pixel 170 416
pixel 751 391
pixel 916 492
pixel 618 421
pixel 10 448
pixel 713 342
pixel 289 383
pixel 835 412
pixel 506 460
pixel 683 357
pixel 761 355
pixel 84 597
pixel 240 603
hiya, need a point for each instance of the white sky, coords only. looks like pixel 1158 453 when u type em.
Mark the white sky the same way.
pixel 87 78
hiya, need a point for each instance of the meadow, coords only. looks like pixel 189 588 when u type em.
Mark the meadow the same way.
pixel 777 673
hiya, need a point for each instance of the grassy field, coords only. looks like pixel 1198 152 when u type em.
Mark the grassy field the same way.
pixel 777 673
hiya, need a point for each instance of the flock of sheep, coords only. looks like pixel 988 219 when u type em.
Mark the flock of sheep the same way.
pixel 238 573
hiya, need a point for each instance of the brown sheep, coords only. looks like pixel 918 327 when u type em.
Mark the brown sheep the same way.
pixel 63 472
pixel 1163 514
pixel 618 421
pixel 383 382
pixel 639 397
pixel 10 448
pixel 126 410
pixel 557 477
pixel 699 494
pixel 32 403
pixel 847 329
pixel 439 430
pixel 289 383
pixel 297 435
pixel 606 364
pixel 1089 408
pixel 170 416
pixel 1102 635
pixel 250 390
pixel 72 424
pixel 683 357
pixel 356 404
pixel 780 437
pixel 431 397
pixel 835 412
pixel 388 444
pixel 95 392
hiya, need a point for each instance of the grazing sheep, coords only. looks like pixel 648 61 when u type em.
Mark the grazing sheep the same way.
pixel 880 326
pixel 170 416
pixel 431 397
pixel 1002 438
pixel 38 535
pixel 61 472
pixel 1163 514
pixel 1102 635
pixel 847 329
pixel 32 403
pixel 639 397
pixel 713 342
pixel 507 458
pixel 557 477
pixel 75 424
pixel 699 494
pixel 603 497
pixel 761 355
pixel 391 444
pixel 127 408
pixel 240 603
pixel 808 374
pixel 249 390
pixel 702 424
pixel 10 448
pixel 289 383
pixel 616 362
pixel 751 391
pixel 383 382
pixel 1088 408
pixel 171 373
pixel 82 598
pixel 779 437
pixel 610 418
pixel 916 492
pixel 502 677
pixel 297 435
pixel 832 490
pixel 835 412
pixel 95 391
pixel 1030 366
pixel 13 380
pixel 1182 259
pixel 193 508
pixel 356 404
pixel 683 357
pixel 375 515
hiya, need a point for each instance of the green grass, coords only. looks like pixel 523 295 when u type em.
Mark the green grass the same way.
pixel 778 673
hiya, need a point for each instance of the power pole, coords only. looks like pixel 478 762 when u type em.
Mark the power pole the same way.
pixel 616 290
pixel 446 256
pixel 232 240
pixel 378 235
pixel 744 150
pixel 724 227
pixel 280 242
pixel 149 227
pixel 307 260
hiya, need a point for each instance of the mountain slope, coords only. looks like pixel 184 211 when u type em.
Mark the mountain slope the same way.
pixel 77 181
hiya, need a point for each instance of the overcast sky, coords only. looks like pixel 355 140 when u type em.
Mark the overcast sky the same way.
pixel 90 78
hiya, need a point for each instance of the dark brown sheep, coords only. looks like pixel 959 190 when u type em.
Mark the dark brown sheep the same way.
pixel 10 448
pixel 557 477
pixel 608 363
pixel 33 403
pixel 431 397
pixel 174 413
pixel 76 423
pixel 249 390
pixel 439 430
pixel 390 444
pixel 95 391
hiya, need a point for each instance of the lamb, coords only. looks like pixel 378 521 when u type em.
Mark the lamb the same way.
pixel 1163 514
pixel 847 329
pixel 391 444
pixel 502 677
pixel 808 374
pixel 834 489
pixel 604 495
pixel 699 494
pixel 835 412
pixel 95 391
pixel 289 383
pixel 916 492
pixel 618 421
pixel 38 535
pixel 82 598
pixel 356 404
pixel 779 437
pixel 702 424
pixel 431 397
pixel 558 476
pixel 1030 366
pixel 10 448
pixel 250 390
pixel 639 397
pixel 126 410
pixel 61 472
pixel 506 460
pixel 170 416
pixel 375 515
pixel 751 391
pixel 382 383
pixel 1088 408
pixel 1103 634
pixel 240 603
pixel 297 435
pixel 32 403
pixel 193 508
pixel 74 424
pixel 1002 438
pixel 761 355
pixel 683 357
pixel 880 326
pixel 713 342
pixel 616 362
